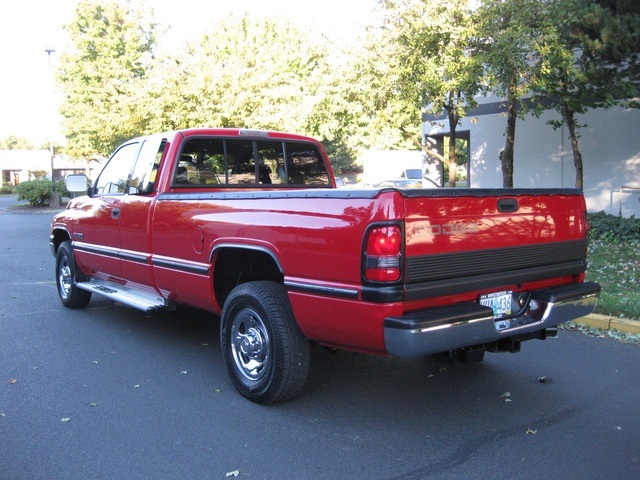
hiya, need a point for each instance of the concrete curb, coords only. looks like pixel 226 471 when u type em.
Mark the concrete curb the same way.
pixel 604 322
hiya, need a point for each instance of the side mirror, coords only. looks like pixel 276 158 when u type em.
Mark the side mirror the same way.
pixel 76 183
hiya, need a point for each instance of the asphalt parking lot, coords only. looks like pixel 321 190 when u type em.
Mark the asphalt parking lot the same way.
pixel 109 392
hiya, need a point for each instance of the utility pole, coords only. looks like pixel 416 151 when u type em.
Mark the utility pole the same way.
pixel 54 202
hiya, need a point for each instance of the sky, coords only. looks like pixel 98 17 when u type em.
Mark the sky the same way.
pixel 28 96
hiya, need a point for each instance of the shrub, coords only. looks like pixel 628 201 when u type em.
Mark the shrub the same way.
pixel 61 189
pixel 37 192
pixel 7 188
pixel 611 228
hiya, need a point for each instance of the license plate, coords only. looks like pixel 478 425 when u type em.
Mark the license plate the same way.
pixel 499 302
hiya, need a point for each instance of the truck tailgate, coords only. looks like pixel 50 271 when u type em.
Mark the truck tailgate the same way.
pixel 477 240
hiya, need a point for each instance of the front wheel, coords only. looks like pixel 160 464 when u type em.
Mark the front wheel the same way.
pixel 266 354
pixel 66 278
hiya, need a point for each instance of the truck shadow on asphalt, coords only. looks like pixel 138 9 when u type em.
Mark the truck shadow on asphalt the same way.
pixel 404 386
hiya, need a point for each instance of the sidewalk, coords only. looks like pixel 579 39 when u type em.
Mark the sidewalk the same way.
pixel 604 322
pixel 10 204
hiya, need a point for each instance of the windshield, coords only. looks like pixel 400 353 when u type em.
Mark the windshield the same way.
pixel 413 173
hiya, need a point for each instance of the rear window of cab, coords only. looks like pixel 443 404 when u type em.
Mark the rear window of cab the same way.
pixel 214 161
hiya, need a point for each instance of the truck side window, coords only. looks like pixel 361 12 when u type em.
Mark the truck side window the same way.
pixel 144 173
pixel 113 178
pixel 201 163
pixel 305 165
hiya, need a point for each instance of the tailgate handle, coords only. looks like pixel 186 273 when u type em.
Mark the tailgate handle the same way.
pixel 507 205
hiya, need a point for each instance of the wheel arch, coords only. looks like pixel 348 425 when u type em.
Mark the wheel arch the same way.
pixel 58 235
pixel 235 264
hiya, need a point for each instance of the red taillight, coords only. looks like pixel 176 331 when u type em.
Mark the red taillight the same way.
pixel 382 254
pixel 384 241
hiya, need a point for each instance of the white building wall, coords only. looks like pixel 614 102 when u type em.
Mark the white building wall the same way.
pixel 21 162
pixel 610 147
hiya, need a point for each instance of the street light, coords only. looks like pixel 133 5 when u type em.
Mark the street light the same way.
pixel 55 201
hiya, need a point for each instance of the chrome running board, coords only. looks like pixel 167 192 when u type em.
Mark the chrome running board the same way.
pixel 132 297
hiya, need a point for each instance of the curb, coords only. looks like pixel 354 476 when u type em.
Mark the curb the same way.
pixel 604 322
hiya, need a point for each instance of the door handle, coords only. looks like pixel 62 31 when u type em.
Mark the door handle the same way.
pixel 115 213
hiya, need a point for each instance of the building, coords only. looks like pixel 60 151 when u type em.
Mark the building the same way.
pixel 609 144
pixel 18 166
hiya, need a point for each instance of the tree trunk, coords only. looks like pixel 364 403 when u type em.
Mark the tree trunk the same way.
pixel 452 160
pixel 507 153
pixel 453 124
pixel 570 121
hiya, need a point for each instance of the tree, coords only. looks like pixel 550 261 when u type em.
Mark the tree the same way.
pixel 507 43
pixel 103 75
pixel 589 58
pixel 349 115
pixel 13 142
pixel 422 63
pixel 250 73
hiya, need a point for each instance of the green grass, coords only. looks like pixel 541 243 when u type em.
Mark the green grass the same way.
pixel 616 267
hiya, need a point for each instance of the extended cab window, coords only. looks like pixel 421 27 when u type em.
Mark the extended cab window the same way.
pixel 114 176
pixel 201 163
pixel 244 162
pixel 305 165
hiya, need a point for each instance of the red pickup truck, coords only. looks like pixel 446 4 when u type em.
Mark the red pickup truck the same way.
pixel 250 226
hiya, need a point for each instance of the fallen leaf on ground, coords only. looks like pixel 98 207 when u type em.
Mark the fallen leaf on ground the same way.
pixel 235 473
pixel 65 420
pixel 12 381
pixel 544 379
pixel 532 432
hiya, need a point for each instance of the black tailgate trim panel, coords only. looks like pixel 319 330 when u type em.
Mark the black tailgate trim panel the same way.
pixel 446 274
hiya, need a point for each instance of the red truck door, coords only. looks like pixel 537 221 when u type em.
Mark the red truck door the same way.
pixel 136 212
pixel 97 235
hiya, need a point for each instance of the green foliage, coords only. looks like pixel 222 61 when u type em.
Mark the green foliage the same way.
pixel 7 188
pixel 424 56
pixel 37 192
pixel 614 262
pixel 103 75
pixel 613 229
pixel 244 72
pixel 13 142
pixel 417 61
pixel 587 58
pixel 615 265
pixel 507 45
pixel 61 189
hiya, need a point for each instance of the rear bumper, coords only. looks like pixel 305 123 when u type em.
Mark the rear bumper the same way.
pixel 442 329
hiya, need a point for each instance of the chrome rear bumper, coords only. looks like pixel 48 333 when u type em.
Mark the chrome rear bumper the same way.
pixel 443 329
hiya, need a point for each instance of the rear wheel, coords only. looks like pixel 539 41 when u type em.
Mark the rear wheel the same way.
pixel 266 354
pixel 67 276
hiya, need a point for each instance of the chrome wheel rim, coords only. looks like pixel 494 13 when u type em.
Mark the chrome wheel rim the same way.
pixel 65 280
pixel 250 346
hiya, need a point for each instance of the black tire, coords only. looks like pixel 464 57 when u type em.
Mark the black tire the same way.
pixel 67 275
pixel 266 354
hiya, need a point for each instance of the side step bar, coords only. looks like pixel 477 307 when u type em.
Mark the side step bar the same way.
pixel 142 300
